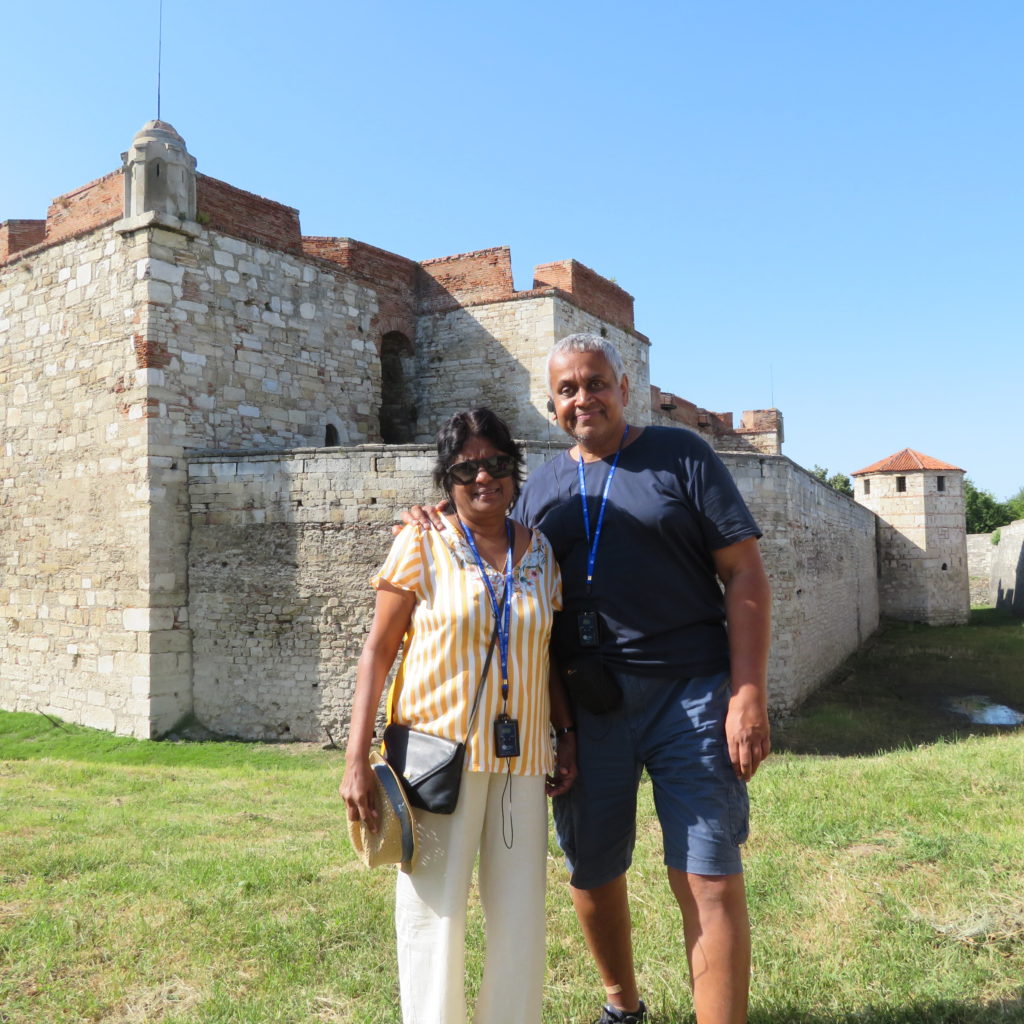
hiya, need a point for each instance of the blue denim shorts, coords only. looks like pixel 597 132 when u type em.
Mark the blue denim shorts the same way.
pixel 676 730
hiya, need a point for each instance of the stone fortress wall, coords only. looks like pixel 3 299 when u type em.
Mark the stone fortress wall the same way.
pixel 981 554
pixel 997 569
pixel 211 418
pixel 1007 579
pixel 283 545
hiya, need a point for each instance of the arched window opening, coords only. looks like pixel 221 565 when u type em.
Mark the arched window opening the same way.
pixel 397 409
pixel 331 439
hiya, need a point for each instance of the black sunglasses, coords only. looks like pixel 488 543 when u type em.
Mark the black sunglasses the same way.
pixel 497 466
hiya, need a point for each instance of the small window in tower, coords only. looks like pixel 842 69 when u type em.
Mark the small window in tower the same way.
pixel 867 486
pixel 940 483
pixel 901 483
pixel 331 436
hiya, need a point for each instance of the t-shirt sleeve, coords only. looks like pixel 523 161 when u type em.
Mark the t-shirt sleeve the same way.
pixel 405 565
pixel 725 518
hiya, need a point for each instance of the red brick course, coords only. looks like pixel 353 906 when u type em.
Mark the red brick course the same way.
pixel 91 206
pixel 16 235
pixel 242 214
pixel 589 290
pixel 469 278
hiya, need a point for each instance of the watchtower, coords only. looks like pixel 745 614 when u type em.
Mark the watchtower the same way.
pixel 922 536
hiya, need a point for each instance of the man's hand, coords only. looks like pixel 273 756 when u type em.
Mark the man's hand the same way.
pixel 564 775
pixel 748 614
pixel 747 731
pixel 426 517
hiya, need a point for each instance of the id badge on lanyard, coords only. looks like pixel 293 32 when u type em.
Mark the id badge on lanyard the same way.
pixel 506 728
pixel 587 620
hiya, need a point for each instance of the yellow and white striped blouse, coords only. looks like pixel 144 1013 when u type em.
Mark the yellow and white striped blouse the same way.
pixel 449 633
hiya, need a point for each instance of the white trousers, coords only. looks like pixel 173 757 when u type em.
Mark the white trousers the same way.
pixel 431 902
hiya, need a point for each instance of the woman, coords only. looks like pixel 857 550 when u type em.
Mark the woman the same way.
pixel 443 592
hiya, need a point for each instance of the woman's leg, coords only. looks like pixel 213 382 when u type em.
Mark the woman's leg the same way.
pixel 512 893
pixel 430 909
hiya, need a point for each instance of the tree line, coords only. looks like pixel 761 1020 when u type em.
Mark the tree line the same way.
pixel 985 514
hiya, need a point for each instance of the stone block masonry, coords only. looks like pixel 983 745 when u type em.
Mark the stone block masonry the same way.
pixel 980 556
pixel 819 547
pixel 283 546
pixel 75 586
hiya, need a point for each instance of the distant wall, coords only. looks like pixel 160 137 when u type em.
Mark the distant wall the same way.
pixel 980 554
pixel 283 546
pixel 1007 585
pixel 819 548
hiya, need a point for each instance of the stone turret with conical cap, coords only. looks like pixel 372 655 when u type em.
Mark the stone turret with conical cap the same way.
pixel 159 173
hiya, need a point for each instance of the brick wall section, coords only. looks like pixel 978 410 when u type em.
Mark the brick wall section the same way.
pixel 368 263
pixel 16 235
pixel 470 278
pixel 669 410
pixel 91 206
pixel 244 215
pixel 599 296
pixel 392 277
pixel 283 547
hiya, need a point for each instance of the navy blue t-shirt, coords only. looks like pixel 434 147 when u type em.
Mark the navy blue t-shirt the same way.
pixel 671 504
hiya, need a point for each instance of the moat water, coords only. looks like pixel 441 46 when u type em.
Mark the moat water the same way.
pixel 983 711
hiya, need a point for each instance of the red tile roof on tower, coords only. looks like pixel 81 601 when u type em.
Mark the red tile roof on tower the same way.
pixel 904 461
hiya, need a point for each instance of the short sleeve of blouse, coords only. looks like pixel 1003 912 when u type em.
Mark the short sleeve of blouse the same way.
pixel 552 573
pixel 405 565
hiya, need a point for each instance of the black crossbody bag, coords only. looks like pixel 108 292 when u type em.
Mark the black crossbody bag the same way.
pixel 430 767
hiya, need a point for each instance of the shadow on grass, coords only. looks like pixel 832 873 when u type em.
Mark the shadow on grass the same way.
pixel 940 1012
pixel 897 690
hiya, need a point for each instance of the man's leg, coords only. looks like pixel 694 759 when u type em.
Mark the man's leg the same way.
pixel 717 932
pixel 603 914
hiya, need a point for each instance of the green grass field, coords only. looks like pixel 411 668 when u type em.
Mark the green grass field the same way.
pixel 208 883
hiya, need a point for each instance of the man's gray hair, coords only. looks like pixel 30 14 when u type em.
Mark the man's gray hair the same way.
pixel 587 343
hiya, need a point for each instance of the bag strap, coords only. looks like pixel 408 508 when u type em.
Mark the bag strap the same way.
pixel 479 688
pixel 483 678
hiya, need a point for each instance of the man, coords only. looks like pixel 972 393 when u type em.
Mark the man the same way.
pixel 673 671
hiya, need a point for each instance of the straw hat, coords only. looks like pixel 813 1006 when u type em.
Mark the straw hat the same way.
pixel 394 842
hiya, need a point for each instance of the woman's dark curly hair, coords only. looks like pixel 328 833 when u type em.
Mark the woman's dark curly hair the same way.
pixel 482 423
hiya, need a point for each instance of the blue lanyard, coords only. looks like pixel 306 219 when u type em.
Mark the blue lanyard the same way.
pixel 502 612
pixel 592 553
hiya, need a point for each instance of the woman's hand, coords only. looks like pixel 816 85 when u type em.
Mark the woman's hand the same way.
pixel 564 775
pixel 359 791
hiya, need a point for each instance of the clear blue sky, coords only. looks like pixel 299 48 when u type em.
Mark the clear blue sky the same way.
pixel 817 204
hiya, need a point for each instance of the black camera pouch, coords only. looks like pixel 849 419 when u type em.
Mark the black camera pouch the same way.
pixel 590 682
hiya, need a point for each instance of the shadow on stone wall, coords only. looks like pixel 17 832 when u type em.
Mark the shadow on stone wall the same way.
pixel 1008 569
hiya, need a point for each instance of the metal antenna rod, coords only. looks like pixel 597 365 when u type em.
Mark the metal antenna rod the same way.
pixel 159 56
